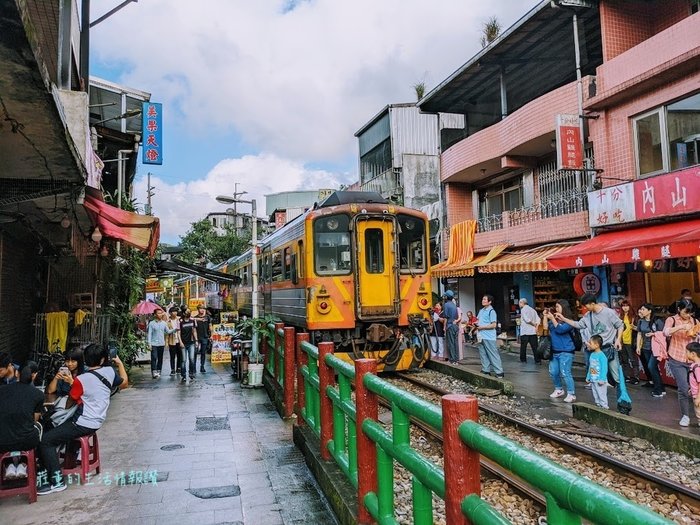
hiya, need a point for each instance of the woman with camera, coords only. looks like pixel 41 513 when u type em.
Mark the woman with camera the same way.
pixel 91 391
pixel 62 381
pixel 562 351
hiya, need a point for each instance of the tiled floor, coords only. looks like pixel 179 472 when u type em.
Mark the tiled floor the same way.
pixel 249 473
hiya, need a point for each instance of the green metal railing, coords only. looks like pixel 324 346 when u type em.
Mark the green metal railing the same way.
pixel 311 412
pixel 569 497
pixel 343 447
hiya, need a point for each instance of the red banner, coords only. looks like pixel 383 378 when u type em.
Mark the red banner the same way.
pixel 671 194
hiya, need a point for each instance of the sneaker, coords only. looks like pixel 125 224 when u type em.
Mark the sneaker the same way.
pixel 557 393
pixel 659 394
pixel 634 381
pixel 201 370
pixel 589 386
pixel 183 379
pixel 486 373
pixel 648 384
pixel 11 471
pixel 173 372
pixel 570 398
pixel 21 470
pixel 685 421
pixel 500 376
pixel 191 378
pixel 48 489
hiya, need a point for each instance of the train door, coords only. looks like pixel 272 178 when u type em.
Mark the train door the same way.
pixel 376 283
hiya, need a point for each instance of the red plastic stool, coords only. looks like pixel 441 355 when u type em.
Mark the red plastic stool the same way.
pixel 89 457
pixel 9 488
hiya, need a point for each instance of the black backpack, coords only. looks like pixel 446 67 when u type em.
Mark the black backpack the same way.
pixel 576 338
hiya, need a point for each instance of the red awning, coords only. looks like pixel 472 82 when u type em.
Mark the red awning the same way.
pixel 139 231
pixel 659 241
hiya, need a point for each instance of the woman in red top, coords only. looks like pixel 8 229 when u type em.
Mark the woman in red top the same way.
pixel 682 329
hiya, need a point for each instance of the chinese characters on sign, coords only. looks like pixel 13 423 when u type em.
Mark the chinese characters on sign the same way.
pixel 152 133
pixel 670 194
pixel 569 147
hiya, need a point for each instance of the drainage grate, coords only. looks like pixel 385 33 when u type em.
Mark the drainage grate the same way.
pixel 227 491
pixel 204 424
pixel 169 448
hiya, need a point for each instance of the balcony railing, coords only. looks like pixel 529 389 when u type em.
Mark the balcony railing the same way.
pixel 387 183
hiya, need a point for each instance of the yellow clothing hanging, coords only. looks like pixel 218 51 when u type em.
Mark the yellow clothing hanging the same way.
pixel 57 330
pixel 79 316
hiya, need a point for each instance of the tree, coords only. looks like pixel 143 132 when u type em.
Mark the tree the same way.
pixel 490 31
pixel 202 242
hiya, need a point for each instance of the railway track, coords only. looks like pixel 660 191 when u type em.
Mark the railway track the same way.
pixel 686 500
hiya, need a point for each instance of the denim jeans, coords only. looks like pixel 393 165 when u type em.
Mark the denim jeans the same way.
pixel 630 361
pixel 680 374
pixel 157 358
pixel 451 342
pixel 188 358
pixel 61 435
pixel 438 344
pixel 652 367
pixel 175 357
pixel 490 358
pixel 203 345
pixel 560 368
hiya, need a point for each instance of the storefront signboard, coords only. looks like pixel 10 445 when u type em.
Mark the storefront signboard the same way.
pixel 569 145
pixel 152 115
pixel 675 193
pixel 221 342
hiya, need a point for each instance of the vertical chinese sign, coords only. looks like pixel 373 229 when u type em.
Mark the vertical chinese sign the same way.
pixel 569 146
pixel 152 133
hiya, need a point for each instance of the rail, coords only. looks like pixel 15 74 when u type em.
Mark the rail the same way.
pixel 351 436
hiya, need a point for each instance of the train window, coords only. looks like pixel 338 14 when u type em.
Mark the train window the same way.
pixel 244 278
pixel 300 260
pixel 374 250
pixel 276 266
pixel 332 245
pixel 287 275
pixel 411 243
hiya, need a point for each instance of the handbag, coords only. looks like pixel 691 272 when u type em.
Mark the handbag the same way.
pixel 544 348
pixel 62 414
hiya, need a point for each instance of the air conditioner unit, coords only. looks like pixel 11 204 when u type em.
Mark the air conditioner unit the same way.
pixel 82 301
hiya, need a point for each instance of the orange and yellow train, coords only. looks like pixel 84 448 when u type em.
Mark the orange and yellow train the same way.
pixel 353 270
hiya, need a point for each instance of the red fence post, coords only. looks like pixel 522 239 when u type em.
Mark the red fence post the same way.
pixel 301 360
pixel 326 377
pixel 289 371
pixel 462 468
pixel 277 363
pixel 367 407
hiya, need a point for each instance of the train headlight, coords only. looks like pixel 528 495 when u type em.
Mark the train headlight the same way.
pixel 423 303
pixel 323 307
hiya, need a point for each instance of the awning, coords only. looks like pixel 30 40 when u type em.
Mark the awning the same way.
pixel 139 231
pixel 659 241
pixel 176 265
pixel 461 252
pixel 530 260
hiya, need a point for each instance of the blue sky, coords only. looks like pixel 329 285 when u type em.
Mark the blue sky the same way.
pixel 268 94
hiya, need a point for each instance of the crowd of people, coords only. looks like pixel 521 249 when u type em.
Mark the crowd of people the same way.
pixel 617 347
pixel 186 337
pixel 82 390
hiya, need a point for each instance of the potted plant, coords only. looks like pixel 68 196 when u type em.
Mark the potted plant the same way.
pixel 260 326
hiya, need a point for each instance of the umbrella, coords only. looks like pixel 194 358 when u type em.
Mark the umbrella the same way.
pixel 145 308
pixel 624 403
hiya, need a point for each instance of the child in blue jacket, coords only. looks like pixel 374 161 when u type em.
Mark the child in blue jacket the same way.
pixel 598 372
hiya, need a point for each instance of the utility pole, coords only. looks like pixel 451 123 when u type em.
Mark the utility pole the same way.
pixel 149 193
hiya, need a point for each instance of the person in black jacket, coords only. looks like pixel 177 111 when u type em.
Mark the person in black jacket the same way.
pixel 203 320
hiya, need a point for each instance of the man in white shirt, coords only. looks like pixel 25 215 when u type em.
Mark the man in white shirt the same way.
pixel 529 321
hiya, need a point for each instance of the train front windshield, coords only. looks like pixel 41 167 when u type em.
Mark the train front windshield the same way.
pixel 332 245
pixel 412 245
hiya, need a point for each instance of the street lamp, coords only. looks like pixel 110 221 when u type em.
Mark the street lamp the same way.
pixel 225 199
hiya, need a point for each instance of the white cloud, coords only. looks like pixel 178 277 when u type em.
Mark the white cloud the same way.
pixel 179 205
pixel 293 78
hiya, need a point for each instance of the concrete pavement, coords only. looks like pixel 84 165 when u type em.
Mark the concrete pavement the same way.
pixel 202 453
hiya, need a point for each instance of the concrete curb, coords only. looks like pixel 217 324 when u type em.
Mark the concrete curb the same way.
pixel 630 426
pixel 338 490
pixel 475 378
